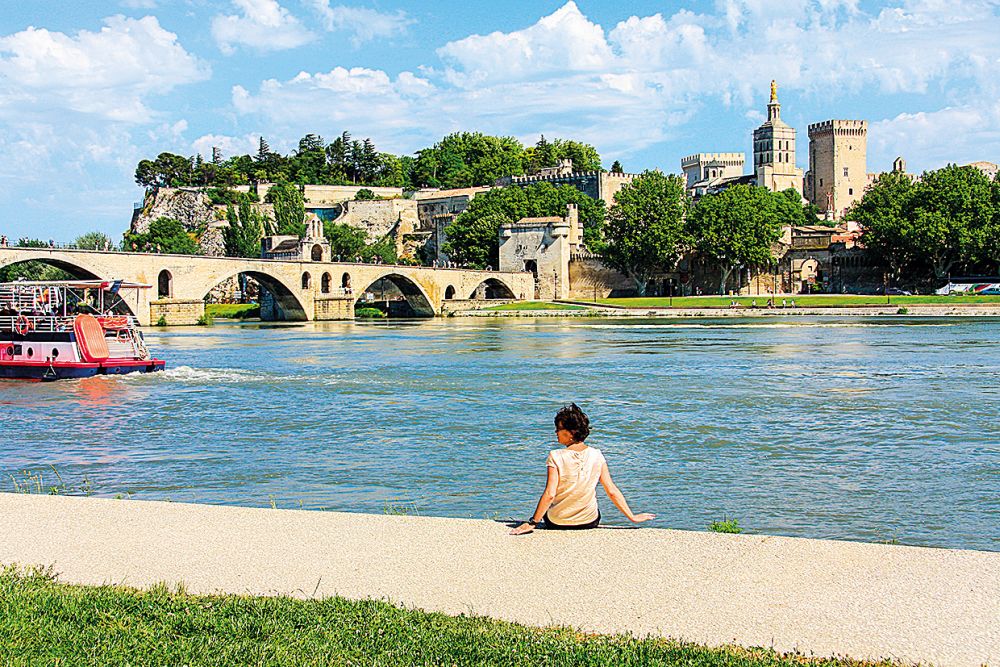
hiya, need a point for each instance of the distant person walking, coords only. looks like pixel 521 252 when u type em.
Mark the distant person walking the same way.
pixel 569 501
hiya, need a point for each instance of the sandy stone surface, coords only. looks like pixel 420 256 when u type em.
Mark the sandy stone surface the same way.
pixel 820 597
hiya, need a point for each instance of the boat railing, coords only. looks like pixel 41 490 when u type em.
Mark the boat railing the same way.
pixel 56 323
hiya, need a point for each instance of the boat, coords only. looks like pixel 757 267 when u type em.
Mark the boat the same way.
pixel 55 330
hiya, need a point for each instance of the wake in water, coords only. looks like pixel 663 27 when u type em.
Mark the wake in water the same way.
pixel 190 375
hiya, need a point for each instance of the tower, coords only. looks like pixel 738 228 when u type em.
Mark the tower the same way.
pixel 838 165
pixel 774 150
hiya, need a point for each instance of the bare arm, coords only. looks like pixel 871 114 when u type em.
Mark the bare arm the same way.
pixel 618 498
pixel 548 495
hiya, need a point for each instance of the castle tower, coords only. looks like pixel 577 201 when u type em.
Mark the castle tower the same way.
pixel 838 165
pixel 774 151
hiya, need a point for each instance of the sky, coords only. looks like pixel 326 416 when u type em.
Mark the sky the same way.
pixel 89 88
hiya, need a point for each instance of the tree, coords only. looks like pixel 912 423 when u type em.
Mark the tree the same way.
pixel 922 231
pixel 364 194
pixel 93 241
pixel 473 238
pixel 289 209
pixel 246 228
pixel 738 227
pixel 617 168
pixel 466 159
pixel 645 229
pixel 164 235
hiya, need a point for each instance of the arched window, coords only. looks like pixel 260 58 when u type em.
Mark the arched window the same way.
pixel 165 285
pixel 317 253
pixel 345 281
pixel 324 284
pixel 306 280
pixel 449 292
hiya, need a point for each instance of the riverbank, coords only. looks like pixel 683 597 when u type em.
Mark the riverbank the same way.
pixel 585 309
pixel 816 597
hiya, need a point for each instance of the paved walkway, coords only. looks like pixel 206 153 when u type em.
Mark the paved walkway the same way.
pixel 822 597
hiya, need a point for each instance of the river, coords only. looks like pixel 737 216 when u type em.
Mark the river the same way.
pixel 879 429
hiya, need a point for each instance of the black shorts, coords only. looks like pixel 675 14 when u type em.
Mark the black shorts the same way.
pixel 548 525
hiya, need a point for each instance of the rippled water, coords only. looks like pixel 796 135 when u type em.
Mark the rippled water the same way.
pixel 863 429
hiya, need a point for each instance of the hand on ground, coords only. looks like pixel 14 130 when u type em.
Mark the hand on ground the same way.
pixel 522 529
pixel 645 516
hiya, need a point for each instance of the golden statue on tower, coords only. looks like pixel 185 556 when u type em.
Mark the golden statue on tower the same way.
pixel 774 91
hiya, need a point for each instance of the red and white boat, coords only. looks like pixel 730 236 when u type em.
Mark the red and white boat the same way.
pixel 70 329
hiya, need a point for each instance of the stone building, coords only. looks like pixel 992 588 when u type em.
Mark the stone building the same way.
pixel 382 218
pixel 603 185
pixel 774 151
pixel 838 165
pixel 544 247
pixel 707 172
pixel 312 248
pixel 436 209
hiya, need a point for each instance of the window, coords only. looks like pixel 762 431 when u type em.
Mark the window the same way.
pixel 821 182
pixel 845 172
pixel 850 191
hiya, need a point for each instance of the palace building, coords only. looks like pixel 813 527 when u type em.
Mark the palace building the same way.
pixel 838 165
pixel 774 151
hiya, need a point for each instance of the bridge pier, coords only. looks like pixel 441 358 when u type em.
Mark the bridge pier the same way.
pixel 334 308
pixel 175 311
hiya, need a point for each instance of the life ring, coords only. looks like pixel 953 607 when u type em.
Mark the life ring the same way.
pixel 22 325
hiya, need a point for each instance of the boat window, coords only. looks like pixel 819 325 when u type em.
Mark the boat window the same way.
pixel 55 353
pixel 31 352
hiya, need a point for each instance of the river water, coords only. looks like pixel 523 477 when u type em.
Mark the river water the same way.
pixel 860 429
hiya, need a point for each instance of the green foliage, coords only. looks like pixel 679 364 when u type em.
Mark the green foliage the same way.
pixel 43 621
pixel 235 311
pixel 923 231
pixel 548 154
pixel 351 243
pixel 247 226
pixel 466 159
pixel 645 230
pixel 726 526
pixel 162 321
pixel 368 312
pixel 93 241
pixel 617 168
pixel 738 227
pixel 228 197
pixel 206 320
pixel 165 235
pixel 902 310
pixel 364 194
pixel 289 209
pixel 473 238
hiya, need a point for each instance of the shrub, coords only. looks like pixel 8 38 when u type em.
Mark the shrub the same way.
pixel 206 320
pixel 902 311
pixel 369 313
pixel 162 322
pixel 725 526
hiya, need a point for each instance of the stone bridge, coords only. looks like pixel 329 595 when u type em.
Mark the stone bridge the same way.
pixel 292 290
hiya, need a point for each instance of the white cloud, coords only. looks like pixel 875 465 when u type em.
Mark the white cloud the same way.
pixel 230 146
pixel 263 25
pixel 931 139
pixel 363 24
pixel 139 4
pixel 106 74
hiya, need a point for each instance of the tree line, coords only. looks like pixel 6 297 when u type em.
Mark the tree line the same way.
pixel 462 159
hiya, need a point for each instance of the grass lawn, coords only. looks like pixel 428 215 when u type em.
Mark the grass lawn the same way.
pixel 802 301
pixel 43 622
pixel 239 311
pixel 536 305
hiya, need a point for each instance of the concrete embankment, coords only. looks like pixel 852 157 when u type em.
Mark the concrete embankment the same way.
pixel 818 597
pixel 846 311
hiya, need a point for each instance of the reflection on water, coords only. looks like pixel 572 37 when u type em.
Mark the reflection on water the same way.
pixel 868 429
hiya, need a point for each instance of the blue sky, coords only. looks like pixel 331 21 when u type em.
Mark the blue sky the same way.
pixel 89 88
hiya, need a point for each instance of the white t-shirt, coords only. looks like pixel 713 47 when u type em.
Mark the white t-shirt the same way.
pixel 576 495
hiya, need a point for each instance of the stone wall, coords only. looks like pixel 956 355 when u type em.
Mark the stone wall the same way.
pixel 191 208
pixel 176 311
pixel 589 278
pixel 334 308
pixel 396 218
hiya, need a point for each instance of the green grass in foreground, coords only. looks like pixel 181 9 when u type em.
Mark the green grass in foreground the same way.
pixel 801 301
pixel 238 311
pixel 536 305
pixel 46 622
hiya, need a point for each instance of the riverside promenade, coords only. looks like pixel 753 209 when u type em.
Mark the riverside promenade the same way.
pixel 818 597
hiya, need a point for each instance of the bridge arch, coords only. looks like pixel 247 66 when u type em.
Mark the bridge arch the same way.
pixel 414 302
pixel 280 302
pixel 74 269
pixel 492 288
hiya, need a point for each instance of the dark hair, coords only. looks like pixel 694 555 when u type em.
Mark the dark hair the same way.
pixel 574 420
